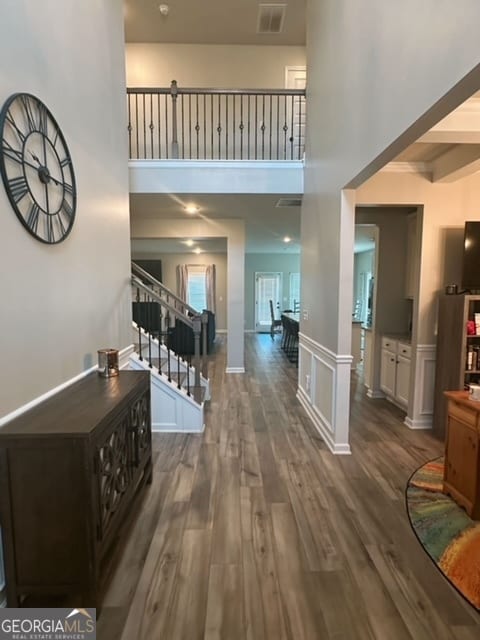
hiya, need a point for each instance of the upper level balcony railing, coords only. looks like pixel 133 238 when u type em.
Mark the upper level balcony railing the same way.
pixel 216 124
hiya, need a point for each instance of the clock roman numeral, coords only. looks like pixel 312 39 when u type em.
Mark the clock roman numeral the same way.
pixel 42 119
pixel 18 188
pixel 14 126
pixel 67 208
pixel 11 152
pixel 65 162
pixel 29 115
pixel 32 219
pixel 68 188
pixel 50 230
pixel 60 224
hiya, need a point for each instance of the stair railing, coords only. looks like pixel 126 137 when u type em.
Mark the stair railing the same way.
pixel 155 321
pixel 172 307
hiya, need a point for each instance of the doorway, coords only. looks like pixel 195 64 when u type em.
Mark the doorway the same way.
pixel 268 287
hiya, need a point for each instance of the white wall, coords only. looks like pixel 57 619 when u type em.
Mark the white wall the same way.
pixel 61 303
pixel 274 262
pixel 169 275
pixel 213 66
pixel 375 72
pixel 445 209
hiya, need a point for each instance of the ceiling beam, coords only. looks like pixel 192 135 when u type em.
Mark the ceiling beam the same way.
pixel 462 126
pixel 459 162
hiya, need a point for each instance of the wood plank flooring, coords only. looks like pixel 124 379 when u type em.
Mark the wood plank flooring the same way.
pixel 255 531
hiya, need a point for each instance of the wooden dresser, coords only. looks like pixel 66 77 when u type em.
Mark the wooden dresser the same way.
pixel 462 452
pixel 70 469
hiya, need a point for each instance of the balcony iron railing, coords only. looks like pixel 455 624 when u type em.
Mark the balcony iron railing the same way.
pixel 216 124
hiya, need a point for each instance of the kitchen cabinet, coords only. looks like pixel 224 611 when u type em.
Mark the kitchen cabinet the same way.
pixel 367 357
pixel 395 370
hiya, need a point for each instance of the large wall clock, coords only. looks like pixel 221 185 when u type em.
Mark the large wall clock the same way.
pixel 37 169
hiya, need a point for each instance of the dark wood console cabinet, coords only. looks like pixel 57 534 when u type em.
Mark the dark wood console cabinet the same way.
pixel 70 469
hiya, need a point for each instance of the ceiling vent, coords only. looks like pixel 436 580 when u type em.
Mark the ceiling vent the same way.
pixel 289 202
pixel 271 18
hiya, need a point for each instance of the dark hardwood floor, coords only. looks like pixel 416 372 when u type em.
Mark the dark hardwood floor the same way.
pixel 255 531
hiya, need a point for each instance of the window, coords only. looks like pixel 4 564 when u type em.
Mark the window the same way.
pixel 294 300
pixel 196 288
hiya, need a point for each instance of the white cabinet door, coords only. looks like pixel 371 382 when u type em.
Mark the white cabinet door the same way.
pixel 403 380
pixel 388 372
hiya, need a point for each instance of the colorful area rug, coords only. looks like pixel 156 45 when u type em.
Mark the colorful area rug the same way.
pixel 449 536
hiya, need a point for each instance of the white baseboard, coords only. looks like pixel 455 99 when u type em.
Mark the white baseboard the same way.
pixel 336 448
pixel 375 395
pixel 418 424
pixel 235 370
pixel 162 428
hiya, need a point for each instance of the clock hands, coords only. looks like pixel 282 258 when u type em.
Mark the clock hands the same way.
pixel 46 172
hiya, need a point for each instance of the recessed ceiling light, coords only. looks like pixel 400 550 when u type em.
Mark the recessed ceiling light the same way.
pixel 287 239
pixel 192 208
pixel 189 243
pixel 197 250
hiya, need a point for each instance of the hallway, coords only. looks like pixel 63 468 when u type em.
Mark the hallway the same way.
pixel 256 531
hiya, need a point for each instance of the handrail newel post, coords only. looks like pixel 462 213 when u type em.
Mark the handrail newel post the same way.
pixel 197 328
pixel 174 94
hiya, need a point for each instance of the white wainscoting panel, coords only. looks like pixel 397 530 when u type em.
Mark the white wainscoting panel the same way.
pixel 323 392
pixel 422 405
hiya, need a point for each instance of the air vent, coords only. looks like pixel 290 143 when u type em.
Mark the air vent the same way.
pixel 271 18
pixel 289 202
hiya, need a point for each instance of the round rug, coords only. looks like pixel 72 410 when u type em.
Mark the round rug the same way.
pixel 449 536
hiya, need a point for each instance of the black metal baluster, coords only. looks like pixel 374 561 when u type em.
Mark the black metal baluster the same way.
pixel 189 366
pixel 278 128
pixel 292 129
pixel 166 126
pixel 234 127
pixel 204 126
pixel 129 128
pixel 151 124
pixel 248 128
pixel 178 371
pixel 219 128
pixel 241 127
pixel 256 125
pixel 299 127
pixel 263 127
pixel 211 125
pixel 150 324
pixel 159 127
pixel 226 126
pixel 190 126
pixel 168 364
pixel 271 127
pixel 136 124
pixel 285 128
pixel 144 128
pixel 183 128
pixel 139 329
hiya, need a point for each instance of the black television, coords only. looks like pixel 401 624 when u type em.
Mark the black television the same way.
pixel 471 257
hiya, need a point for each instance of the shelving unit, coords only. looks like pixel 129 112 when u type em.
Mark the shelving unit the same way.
pixel 451 373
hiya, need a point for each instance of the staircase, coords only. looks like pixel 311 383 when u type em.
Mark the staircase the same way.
pixel 179 385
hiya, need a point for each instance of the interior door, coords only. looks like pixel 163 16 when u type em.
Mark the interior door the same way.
pixel 267 287
pixel 296 78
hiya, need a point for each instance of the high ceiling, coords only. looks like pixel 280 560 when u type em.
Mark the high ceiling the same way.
pixel 210 22
pixel 448 152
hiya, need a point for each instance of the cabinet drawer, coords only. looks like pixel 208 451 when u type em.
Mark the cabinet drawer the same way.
pixel 389 344
pixel 462 413
pixel 404 350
